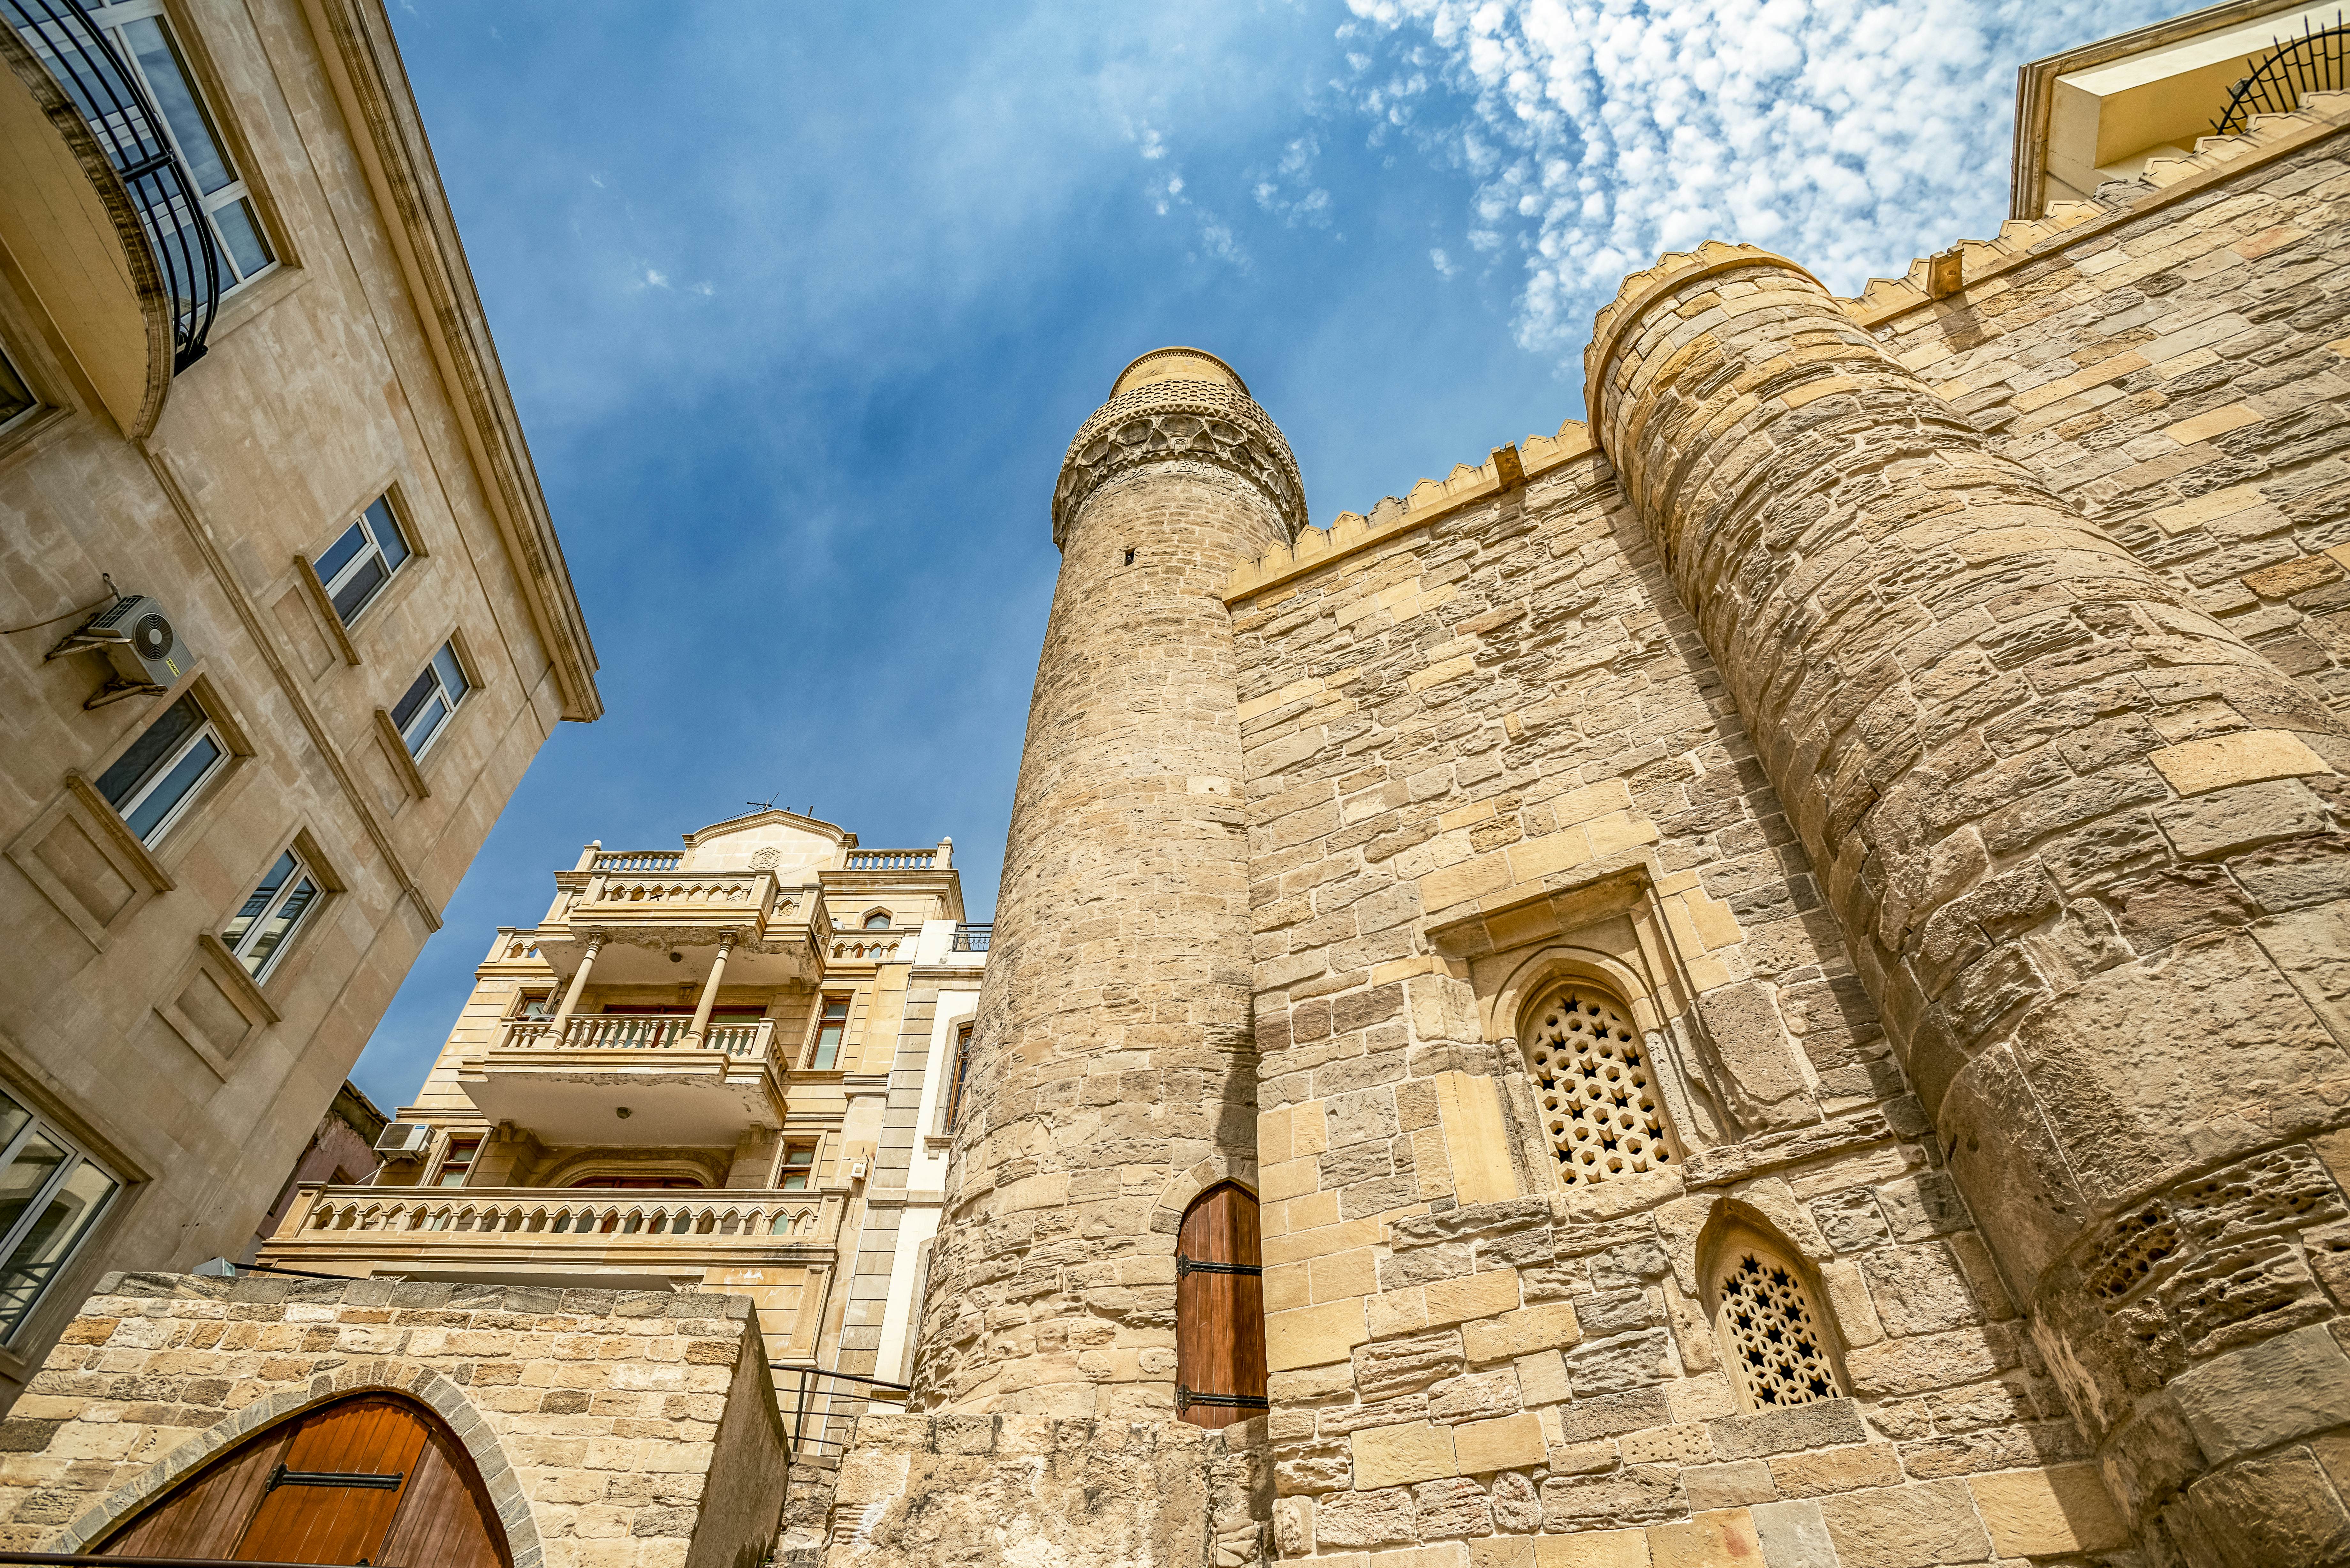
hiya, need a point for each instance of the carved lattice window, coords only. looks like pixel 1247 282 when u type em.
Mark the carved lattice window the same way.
pixel 1773 1335
pixel 1596 1088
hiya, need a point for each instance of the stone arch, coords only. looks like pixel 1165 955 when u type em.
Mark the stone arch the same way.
pixel 1735 1230
pixel 427 1385
pixel 1692 1105
pixel 1176 1193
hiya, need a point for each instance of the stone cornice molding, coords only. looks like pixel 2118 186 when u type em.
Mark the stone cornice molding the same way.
pixel 1204 422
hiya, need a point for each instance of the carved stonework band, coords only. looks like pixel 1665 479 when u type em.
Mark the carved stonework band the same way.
pixel 1203 421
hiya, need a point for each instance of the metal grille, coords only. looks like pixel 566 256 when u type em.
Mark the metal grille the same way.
pixel 84 63
pixel 2291 71
pixel 973 939
pixel 1780 1356
pixel 1596 1090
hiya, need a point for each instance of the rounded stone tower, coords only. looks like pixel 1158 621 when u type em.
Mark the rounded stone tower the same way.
pixel 1112 1075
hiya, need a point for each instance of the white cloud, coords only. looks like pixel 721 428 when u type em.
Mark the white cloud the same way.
pixel 1445 265
pixel 1847 134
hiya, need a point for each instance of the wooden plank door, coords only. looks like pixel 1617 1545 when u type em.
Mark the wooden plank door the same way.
pixel 1218 1310
pixel 373 1478
pixel 332 1502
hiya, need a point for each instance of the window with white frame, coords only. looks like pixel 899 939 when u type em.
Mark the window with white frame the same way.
pixel 264 929
pixel 152 783
pixel 142 35
pixel 357 565
pixel 425 708
pixel 51 1193
pixel 16 399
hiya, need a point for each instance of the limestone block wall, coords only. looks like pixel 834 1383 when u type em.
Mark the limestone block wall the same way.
pixel 2176 371
pixel 612 1428
pixel 2081 835
pixel 917 1492
pixel 1487 754
pixel 1112 1066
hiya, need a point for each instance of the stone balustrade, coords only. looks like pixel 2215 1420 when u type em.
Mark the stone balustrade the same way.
pixel 746 1039
pixel 892 859
pixel 870 947
pixel 638 860
pixel 584 1217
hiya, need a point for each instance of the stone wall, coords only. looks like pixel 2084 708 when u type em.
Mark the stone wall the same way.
pixel 1491 752
pixel 613 1429
pixel 2083 834
pixel 969 1492
pixel 2179 376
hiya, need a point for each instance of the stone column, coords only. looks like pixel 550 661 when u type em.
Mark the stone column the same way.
pixel 1114 1059
pixel 2083 841
pixel 700 1024
pixel 571 994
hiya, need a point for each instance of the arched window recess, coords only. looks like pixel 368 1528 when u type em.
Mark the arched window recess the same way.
pixel 1598 1089
pixel 1769 1325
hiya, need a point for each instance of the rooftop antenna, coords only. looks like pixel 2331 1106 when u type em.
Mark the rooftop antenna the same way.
pixel 766 804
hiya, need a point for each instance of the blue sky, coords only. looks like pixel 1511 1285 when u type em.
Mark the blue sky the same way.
pixel 801 304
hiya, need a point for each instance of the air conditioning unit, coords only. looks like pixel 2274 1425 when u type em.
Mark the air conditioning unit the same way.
pixel 404 1140
pixel 139 640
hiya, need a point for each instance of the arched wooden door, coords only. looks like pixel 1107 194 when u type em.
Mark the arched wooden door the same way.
pixel 1218 1308
pixel 372 1479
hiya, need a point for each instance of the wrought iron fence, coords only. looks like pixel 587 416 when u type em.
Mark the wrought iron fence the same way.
pixel 821 1407
pixel 79 56
pixel 973 939
pixel 2291 71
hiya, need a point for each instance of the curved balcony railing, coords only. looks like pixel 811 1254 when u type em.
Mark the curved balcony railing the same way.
pixel 973 939
pixel 79 56
pixel 2290 70
pixel 741 1038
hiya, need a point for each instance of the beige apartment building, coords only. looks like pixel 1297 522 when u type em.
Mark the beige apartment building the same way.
pixel 728 1067
pixel 282 620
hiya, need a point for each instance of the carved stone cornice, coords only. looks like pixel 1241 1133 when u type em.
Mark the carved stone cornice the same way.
pixel 1203 421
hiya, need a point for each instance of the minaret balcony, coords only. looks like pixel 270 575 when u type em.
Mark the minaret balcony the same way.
pixel 629 1078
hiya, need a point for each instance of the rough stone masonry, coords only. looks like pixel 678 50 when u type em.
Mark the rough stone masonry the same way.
pixel 1794 938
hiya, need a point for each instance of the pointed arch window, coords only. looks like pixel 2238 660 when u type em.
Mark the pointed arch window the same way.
pixel 1595 1086
pixel 1769 1326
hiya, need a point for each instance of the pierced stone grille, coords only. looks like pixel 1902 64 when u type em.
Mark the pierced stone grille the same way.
pixel 1777 1339
pixel 1598 1094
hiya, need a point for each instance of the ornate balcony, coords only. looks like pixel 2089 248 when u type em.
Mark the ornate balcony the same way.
pixel 629 1078
pixel 557 1232
pixel 85 65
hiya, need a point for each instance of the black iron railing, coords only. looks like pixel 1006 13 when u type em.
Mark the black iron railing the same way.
pixel 94 75
pixel 973 938
pixel 2291 71
pixel 821 1407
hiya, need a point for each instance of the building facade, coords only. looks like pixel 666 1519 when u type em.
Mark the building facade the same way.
pixel 1765 974
pixel 285 617
pixel 727 1068
pixel 1761 980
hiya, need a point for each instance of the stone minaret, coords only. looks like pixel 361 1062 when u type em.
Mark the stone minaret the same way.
pixel 1113 1074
